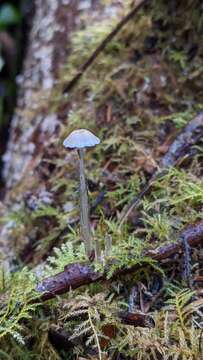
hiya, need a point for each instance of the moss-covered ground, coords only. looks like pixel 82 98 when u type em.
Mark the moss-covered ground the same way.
pixel 136 97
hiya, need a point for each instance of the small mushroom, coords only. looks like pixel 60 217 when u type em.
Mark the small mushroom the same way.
pixel 81 139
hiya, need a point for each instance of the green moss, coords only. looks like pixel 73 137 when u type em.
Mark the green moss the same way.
pixel 147 80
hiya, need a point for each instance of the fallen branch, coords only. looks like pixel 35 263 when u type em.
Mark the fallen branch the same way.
pixel 193 235
pixel 189 136
pixel 73 276
pixel 76 275
pixel 102 46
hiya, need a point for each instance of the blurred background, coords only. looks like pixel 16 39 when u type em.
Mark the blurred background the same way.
pixel 15 18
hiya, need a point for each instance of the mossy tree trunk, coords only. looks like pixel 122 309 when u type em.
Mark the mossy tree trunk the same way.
pixel 35 125
pixel 46 54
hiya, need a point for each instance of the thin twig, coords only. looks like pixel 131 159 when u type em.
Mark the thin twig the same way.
pixel 102 46
pixel 76 275
pixel 189 136
pixel 136 201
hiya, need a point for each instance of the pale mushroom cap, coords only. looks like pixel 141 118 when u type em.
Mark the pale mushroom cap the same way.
pixel 81 138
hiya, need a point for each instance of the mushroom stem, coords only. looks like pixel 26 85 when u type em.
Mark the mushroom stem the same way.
pixel 84 207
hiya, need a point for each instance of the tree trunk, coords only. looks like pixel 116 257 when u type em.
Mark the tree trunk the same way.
pixel 34 124
pixel 46 54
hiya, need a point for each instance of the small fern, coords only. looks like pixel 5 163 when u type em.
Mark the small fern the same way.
pixel 20 303
pixel 68 253
pixel 178 302
pixel 91 314
pixel 185 307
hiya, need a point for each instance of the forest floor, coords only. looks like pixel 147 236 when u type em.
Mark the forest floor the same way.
pixel 141 297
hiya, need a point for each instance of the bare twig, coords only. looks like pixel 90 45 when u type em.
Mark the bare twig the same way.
pixel 102 45
pixel 189 136
pixel 136 201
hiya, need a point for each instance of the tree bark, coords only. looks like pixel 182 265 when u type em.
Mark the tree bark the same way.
pixel 47 52
pixel 35 125
pixel 36 122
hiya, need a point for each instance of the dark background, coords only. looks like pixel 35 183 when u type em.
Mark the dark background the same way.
pixel 15 18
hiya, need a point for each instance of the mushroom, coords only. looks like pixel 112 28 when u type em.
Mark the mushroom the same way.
pixel 81 139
